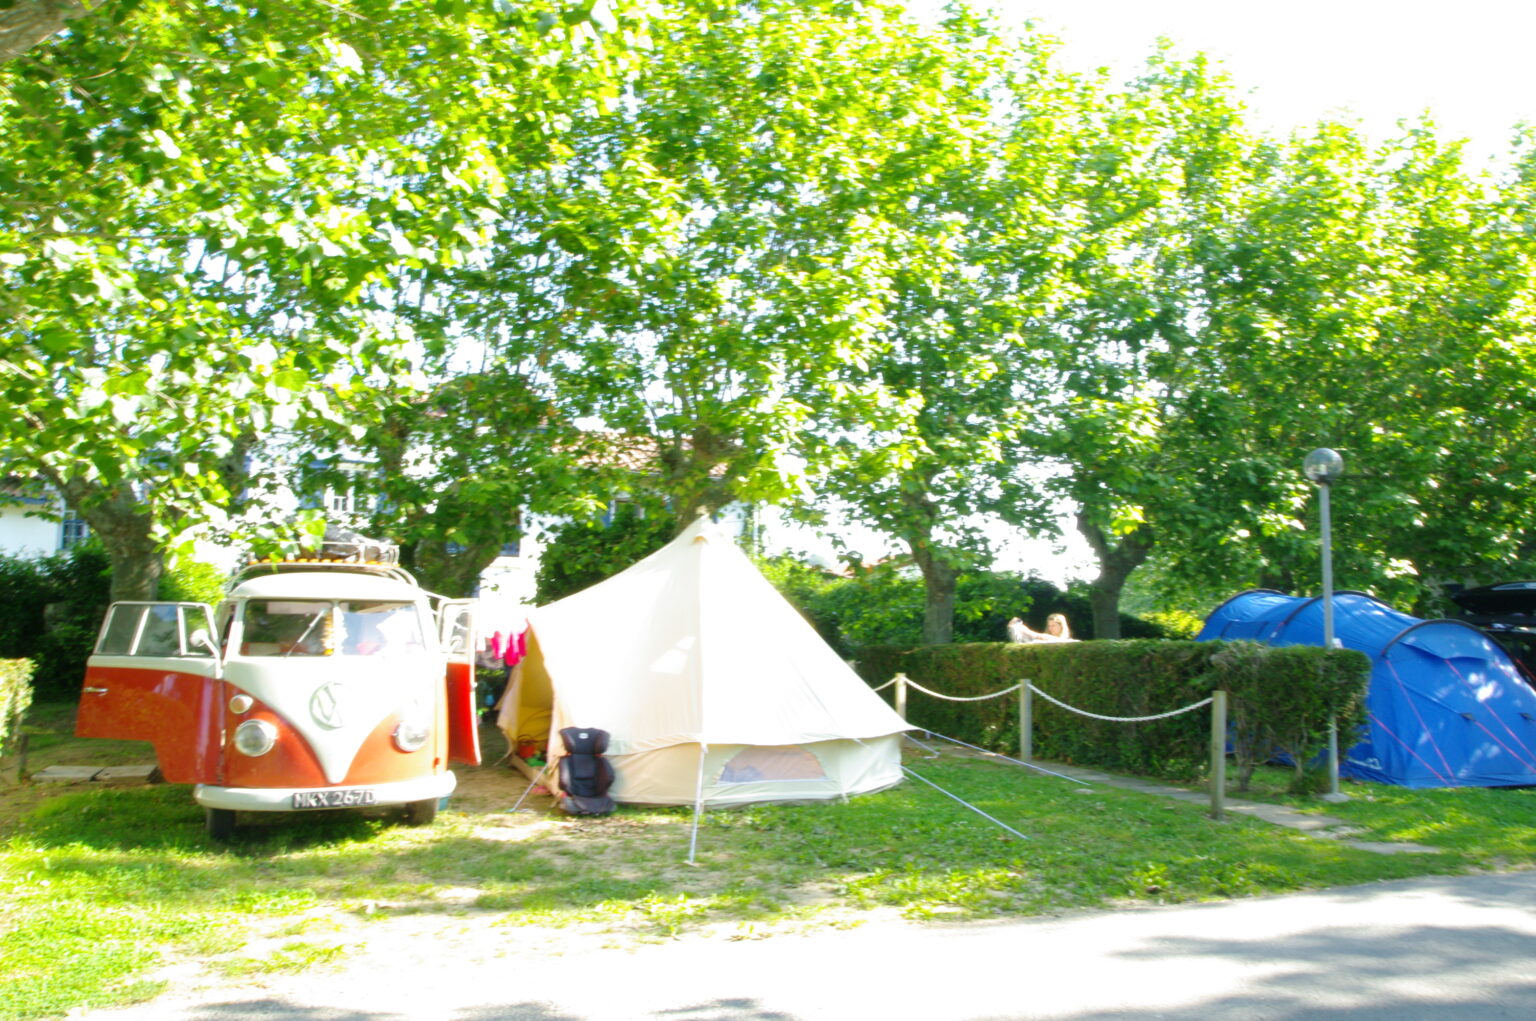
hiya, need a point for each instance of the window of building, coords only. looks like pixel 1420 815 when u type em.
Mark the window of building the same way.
pixel 72 531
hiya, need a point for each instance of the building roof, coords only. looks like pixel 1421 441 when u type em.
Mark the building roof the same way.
pixel 21 489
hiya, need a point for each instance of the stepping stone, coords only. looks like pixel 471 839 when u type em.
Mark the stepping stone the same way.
pixel 1377 847
pixel 66 774
pixel 141 774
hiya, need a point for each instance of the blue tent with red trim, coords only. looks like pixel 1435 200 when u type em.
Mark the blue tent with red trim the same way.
pixel 1446 707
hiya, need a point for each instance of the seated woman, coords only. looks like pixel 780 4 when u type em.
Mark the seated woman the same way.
pixel 1056 630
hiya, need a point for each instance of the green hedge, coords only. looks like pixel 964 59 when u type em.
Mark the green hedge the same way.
pixel 1280 698
pixel 15 697
pixel 1283 698
pixel 52 607
pixel 50 610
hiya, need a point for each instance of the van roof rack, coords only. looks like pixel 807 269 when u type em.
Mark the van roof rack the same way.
pixel 364 556
pixel 354 549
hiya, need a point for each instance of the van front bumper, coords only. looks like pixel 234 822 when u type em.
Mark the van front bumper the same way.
pixel 292 799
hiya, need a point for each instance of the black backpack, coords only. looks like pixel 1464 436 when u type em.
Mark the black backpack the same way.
pixel 585 775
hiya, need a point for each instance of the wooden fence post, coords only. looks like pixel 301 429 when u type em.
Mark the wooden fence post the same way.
pixel 1218 753
pixel 900 698
pixel 1026 722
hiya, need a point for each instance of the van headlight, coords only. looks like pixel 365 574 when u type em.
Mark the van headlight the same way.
pixel 255 737
pixel 411 735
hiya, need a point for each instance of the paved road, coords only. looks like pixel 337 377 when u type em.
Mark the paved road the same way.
pixel 1455 949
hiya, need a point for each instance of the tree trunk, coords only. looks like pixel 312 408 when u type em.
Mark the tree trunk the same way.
pixel 25 24
pixel 1116 562
pixel 939 577
pixel 1280 581
pixel 455 575
pixel 124 525
pixel 693 473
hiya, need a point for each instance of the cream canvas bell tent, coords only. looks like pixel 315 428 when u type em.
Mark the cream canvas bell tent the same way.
pixel 713 688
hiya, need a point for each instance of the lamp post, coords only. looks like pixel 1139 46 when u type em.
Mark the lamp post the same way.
pixel 1323 467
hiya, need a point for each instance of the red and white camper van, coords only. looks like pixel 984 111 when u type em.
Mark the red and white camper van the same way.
pixel 324 683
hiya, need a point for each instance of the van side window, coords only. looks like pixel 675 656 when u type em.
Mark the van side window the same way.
pixel 458 631
pixel 160 636
pixel 118 633
pixel 157 630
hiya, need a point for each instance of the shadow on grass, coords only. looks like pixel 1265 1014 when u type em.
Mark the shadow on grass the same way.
pixel 164 817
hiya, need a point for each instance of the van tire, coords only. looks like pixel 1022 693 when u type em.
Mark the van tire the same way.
pixel 219 822
pixel 421 813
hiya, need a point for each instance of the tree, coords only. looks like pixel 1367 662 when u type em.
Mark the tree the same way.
pixel 712 259
pixel 582 552
pixel 939 448
pixel 1364 306
pixel 1444 480
pixel 453 472
pixel 1149 173
pixel 211 213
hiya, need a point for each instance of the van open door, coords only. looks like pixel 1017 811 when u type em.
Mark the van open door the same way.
pixel 456 623
pixel 156 676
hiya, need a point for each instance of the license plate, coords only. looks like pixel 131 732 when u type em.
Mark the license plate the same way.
pixel 343 798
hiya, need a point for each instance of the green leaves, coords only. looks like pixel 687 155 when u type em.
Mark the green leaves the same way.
pixel 773 252
pixel 220 235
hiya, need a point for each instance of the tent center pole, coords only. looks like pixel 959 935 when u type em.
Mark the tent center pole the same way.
pixel 698 805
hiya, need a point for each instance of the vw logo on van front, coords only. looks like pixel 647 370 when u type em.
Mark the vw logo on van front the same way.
pixel 326 705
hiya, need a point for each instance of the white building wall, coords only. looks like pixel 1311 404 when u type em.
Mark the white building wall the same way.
pixel 24 534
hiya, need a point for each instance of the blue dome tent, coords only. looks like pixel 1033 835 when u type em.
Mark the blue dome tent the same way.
pixel 1446 706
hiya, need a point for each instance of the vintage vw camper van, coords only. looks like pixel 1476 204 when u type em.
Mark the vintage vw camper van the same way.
pixel 325 683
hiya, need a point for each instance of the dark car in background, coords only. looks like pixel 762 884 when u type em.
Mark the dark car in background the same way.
pixel 1507 614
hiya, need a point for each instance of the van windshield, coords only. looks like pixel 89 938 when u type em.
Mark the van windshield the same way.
pixel 369 628
pixel 299 627
pixel 287 627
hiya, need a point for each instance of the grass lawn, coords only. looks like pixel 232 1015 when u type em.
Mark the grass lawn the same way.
pixel 103 887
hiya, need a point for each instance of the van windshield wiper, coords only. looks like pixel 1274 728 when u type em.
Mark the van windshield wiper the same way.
pixel 299 644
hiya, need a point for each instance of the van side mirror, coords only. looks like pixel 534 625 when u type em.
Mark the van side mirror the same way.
pixel 201 640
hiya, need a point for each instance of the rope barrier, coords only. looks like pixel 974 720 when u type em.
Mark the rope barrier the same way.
pixel 1121 719
pixel 1218 702
pixel 957 698
pixel 1081 712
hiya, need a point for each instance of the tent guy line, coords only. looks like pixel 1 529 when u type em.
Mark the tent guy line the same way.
pixel 997 755
pixel 992 819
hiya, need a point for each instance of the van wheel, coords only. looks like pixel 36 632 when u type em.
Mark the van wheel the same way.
pixel 421 813
pixel 220 822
